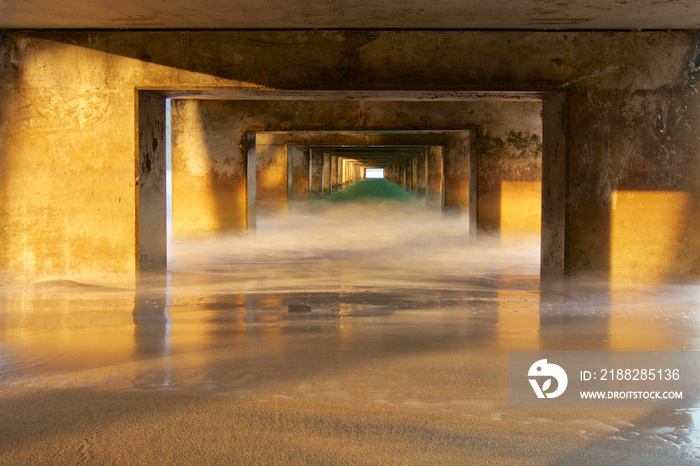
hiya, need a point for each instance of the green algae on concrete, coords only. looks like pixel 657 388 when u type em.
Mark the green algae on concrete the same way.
pixel 369 190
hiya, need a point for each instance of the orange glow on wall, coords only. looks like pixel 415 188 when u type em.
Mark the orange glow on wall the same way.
pixel 644 233
pixel 521 208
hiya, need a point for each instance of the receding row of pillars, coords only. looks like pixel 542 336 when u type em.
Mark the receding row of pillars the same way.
pixel 444 169
pixel 315 173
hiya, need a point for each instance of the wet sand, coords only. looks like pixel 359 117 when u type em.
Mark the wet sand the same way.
pixel 402 359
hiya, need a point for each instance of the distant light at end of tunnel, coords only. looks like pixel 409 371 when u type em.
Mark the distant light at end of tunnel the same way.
pixel 373 173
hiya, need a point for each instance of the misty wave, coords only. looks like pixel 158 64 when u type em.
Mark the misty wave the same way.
pixel 366 245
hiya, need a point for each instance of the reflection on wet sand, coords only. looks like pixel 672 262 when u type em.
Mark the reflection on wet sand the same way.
pixel 402 357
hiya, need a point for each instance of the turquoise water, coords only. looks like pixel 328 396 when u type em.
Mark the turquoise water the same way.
pixel 369 190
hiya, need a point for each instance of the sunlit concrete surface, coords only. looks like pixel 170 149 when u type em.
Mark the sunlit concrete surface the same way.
pixel 646 229
pixel 513 209
pixel 402 358
pixel 266 14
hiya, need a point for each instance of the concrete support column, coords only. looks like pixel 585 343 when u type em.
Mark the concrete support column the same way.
pixel 473 194
pixel 327 183
pixel 251 183
pixel 422 174
pixel 151 234
pixel 404 175
pixel 554 150
pixel 208 196
pixel 316 174
pixel 344 173
pixel 339 173
pixel 457 175
pixel 414 173
pixel 334 173
pixel 298 174
pixel 436 180
pixel 397 174
pixel 272 167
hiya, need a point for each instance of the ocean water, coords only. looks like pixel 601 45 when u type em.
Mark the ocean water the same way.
pixel 380 327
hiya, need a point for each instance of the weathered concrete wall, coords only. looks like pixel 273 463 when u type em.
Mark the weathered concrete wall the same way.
pixel 634 180
pixel 208 181
pixel 509 176
pixel 67 120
